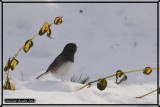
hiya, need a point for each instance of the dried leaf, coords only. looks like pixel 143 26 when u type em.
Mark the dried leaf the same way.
pixel 122 80
pixel 8 85
pixel 44 28
pixel 119 73
pixel 58 20
pixel 147 70
pixel 49 33
pixel 14 63
pixel 101 84
pixel 8 65
pixel 28 45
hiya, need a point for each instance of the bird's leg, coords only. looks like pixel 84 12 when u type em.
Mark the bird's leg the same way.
pixel 62 78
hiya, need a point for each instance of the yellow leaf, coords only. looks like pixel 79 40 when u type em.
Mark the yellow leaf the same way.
pixel 12 86
pixel 28 45
pixel 14 63
pixel 8 65
pixel 49 33
pixel 119 73
pixel 58 20
pixel 147 70
pixel 8 85
pixel 44 28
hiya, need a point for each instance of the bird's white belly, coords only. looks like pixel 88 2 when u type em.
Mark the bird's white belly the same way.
pixel 64 69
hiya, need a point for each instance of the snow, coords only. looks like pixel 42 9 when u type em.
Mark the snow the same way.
pixel 54 91
pixel 109 37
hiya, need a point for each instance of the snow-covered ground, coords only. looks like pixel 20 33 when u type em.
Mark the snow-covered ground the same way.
pixel 109 37
pixel 54 91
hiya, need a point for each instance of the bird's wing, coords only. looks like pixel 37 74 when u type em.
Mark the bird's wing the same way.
pixel 59 61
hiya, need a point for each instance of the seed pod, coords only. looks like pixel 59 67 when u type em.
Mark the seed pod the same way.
pixel 101 84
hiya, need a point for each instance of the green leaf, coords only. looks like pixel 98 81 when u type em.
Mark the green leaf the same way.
pixel 101 84
pixel 14 63
pixel 28 45
pixel 119 73
pixel 8 65
pixel 147 71
pixel 58 20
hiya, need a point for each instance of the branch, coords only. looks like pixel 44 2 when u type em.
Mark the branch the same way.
pixel 89 84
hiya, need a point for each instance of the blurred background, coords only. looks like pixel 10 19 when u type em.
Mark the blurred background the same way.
pixel 109 36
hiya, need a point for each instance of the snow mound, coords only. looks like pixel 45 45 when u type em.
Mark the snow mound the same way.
pixel 55 91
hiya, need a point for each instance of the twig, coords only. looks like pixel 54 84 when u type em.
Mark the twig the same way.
pixel 34 36
pixel 148 93
pixel 8 73
pixel 88 84
pixel 18 52
pixel 79 78
pixel 22 49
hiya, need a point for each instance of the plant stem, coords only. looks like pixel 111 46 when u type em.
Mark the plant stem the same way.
pixel 18 52
pixel 88 84
pixel 147 93
pixel 34 36
pixel 8 73
pixel 23 47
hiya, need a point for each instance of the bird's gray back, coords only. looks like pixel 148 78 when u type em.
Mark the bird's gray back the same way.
pixel 59 61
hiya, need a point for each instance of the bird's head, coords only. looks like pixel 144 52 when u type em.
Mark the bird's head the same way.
pixel 70 49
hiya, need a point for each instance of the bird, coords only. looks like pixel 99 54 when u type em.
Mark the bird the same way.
pixel 63 62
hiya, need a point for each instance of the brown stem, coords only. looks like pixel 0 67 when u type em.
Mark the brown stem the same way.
pixel 147 93
pixel 23 47
pixel 34 36
pixel 20 51
pixel 8 73
pixel 113 76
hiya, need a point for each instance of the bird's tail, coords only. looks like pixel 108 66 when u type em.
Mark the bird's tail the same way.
pixel 42 75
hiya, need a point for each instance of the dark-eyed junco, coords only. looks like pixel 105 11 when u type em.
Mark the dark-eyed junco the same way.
pixel 63 62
